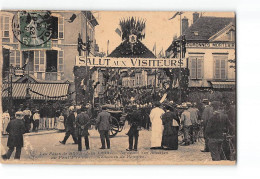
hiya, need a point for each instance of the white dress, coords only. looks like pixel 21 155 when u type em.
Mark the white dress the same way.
pixel 157 126
pixel 6 120
pixel 60 123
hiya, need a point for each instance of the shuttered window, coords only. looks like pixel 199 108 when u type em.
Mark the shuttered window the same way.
pixel 193 68
pixel 199 68
pixel 196 67
pixel 220 68
pixel 5 28
pixel 60 61
pixel 39 62
pixel 15 58
pixel 61 27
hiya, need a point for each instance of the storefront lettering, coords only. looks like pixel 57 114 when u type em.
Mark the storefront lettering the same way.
pixel 211 45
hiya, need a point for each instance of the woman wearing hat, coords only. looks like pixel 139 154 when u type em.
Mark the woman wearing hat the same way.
pixel 171 126
pixel 60 122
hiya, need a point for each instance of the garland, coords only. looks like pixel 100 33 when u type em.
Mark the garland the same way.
pixel 52 97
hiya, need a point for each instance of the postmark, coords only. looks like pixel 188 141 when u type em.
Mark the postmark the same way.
pixel 33 28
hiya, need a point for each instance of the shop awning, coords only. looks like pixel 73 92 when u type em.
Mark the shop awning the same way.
pixel 49 91
pixel 223 84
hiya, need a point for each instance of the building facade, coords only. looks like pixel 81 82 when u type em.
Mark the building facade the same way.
pixel 56 62
pixel 53 61
pixel 210 50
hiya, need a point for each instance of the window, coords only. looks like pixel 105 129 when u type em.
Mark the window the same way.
pixel 28 57
pixel 51 60
pixel 61 28
pixel 60 61
pixel 5 28
pixel 39 62
pixel 55 27
pixel 220 68
pixel 15 59
pixel 58 28
pixel 196 67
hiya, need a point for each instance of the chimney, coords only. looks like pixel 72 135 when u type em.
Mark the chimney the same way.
pixel 185 24
pixel 196 16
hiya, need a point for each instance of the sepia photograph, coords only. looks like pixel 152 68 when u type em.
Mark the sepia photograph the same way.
pixel 88 87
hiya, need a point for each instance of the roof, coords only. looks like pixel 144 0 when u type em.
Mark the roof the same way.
pixel 33 79
pixel 139 51
pixel 223 84
pixel 38 91
pixel 206 27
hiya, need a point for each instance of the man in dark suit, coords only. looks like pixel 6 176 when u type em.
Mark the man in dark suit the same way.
pixel 16 129
pixel 70 128
pixel 215 130
pixel 103 126
pixel 82 124
pixel 206 115
pixel 134 119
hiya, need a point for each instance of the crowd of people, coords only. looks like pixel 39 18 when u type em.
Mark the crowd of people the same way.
pixel 164 120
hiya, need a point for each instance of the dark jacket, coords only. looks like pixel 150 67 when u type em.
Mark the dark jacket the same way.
pixel 217 125
pixel 103 121
pixel 134 119
pixel 16 129
pixel 82 124
pixel 70 122
pixel 232 119
pixel 167 119
pixel 206 115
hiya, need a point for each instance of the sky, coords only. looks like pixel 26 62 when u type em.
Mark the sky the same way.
pixel 159 29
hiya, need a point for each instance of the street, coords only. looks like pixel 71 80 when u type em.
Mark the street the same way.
pixel 46 148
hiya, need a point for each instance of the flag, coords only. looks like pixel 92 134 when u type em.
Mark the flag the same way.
pixel 160 53
pixel 177 13
pixel 163 98
pixel 154 47
pixel 26 62
pixel 72 18
pixel 118 31
pixel 107 47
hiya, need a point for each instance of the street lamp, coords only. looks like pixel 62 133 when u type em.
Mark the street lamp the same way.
pixel 10 88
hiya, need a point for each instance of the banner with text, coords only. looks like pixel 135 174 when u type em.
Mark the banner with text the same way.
pixel 131 62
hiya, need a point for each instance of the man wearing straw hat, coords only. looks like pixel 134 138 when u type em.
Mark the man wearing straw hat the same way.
pixel 186 121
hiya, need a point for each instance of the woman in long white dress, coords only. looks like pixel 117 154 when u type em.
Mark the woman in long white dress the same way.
pixel 157 126
pixel 60 123
pixel 6 120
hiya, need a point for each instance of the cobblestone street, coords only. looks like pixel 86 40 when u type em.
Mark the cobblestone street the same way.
pixel 39 147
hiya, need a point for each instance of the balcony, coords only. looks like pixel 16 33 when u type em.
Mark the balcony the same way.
pixel 50 76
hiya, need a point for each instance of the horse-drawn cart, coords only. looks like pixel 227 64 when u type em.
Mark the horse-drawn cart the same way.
pixel 118 119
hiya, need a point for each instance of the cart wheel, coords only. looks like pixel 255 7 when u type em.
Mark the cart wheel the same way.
pixel 114 128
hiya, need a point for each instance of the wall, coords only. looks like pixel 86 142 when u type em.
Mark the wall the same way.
pixel 209 62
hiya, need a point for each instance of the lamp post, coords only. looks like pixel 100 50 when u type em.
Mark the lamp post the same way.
pixel 28 95
pixel 180 61
pixel 10 88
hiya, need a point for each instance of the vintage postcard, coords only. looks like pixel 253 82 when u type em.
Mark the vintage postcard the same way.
pixel 118 87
